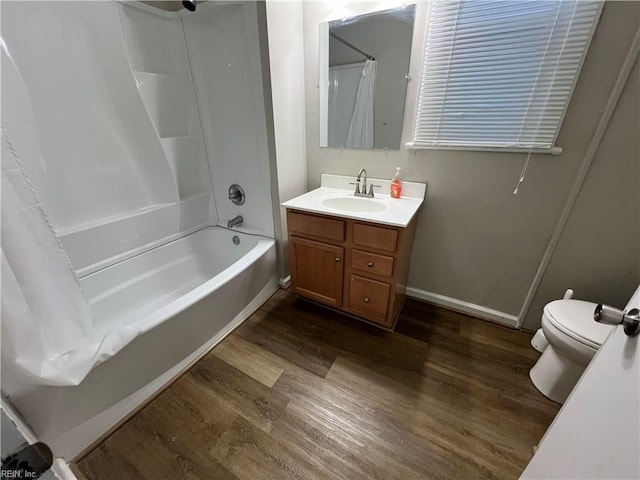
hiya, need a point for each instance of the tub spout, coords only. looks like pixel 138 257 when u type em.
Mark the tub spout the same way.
pixel 234 222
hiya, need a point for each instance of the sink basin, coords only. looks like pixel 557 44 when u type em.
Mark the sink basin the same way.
pixel 354 204
pixel 335 197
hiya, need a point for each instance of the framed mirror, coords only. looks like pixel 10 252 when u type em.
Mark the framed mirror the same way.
pixel 364 66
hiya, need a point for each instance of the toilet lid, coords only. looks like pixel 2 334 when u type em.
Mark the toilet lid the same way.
pixel 575 318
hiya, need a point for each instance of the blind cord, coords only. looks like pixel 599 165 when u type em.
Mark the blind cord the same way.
pixel 453 44
pixel 523 172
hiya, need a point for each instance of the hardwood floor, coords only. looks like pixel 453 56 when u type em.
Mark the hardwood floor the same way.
pixel 301 392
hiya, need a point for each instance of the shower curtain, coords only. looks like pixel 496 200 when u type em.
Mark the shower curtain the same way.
pixel 47 333
pixel 343 87
pixel 48 336
pixel 351 98
pixel 360 133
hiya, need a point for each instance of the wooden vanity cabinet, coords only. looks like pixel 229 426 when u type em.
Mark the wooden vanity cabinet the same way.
pixel 356 267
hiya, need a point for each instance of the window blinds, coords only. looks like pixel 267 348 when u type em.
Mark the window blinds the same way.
pixel 499 74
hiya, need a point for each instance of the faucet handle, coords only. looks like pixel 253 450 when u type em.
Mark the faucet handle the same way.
pixel 371 189
pixel 357 184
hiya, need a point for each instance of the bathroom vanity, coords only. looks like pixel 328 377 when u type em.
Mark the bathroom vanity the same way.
pixel 353 253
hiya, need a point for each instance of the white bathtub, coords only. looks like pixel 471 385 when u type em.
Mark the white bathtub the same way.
pixel 185 297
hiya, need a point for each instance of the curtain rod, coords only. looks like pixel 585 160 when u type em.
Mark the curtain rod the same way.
pixel 353 47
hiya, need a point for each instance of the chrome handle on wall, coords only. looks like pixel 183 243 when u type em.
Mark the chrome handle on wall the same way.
pixel 630 320
pixel 236 194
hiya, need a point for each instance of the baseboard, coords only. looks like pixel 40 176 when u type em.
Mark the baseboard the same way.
pixel 465 307
pixel 64 472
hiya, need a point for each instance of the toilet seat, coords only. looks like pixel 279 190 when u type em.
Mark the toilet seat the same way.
pixel 574 318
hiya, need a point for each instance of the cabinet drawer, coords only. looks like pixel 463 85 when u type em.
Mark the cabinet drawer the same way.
pixel 372 262
pixel 375 237
pixel 316 226
pixel 369 298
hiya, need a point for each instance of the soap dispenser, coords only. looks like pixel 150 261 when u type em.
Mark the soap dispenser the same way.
pixel 396 184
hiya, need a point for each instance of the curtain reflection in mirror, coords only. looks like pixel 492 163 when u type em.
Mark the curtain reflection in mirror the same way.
pixel 351 105
pixel 364 62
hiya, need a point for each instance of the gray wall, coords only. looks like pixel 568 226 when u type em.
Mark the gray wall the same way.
pixel 598 254
pixel 476 242
pixel 169 5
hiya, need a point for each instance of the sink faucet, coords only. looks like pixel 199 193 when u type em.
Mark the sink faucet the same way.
pixel 364 180
pixel 364 192
pixel 235 221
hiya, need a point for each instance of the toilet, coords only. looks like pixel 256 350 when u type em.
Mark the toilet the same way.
pixel 569 339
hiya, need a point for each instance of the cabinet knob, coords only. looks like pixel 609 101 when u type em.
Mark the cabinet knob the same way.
pixel 337 259
pixel 370 264
pixel 366 299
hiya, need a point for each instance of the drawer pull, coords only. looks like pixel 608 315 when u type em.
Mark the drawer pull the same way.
pixel 337 259
pixel 371 262
pixel 366 299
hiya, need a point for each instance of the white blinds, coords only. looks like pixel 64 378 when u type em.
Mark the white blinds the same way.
pixel 499 73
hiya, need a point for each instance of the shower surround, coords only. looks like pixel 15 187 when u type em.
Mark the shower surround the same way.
pixel 127 125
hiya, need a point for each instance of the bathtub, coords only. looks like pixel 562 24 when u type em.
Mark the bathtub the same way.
pixel 185 297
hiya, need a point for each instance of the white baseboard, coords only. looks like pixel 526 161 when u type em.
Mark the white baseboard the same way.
pixel 465 307
pixel 61 470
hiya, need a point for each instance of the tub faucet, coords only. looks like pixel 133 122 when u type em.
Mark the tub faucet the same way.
pixel 235 221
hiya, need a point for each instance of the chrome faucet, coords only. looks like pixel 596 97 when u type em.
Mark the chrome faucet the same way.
pixel 364 192
pixel 235 221
pixel 364 181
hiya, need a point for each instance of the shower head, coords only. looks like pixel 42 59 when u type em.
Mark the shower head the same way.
pixel 189 5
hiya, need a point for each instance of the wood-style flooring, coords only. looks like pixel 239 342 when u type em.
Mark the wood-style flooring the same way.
pixel 300 392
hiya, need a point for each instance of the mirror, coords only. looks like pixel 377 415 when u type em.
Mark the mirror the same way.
pixel 364 66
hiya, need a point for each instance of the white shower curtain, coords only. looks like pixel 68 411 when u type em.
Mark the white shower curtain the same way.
pixel 361 128
pixel 343 89
pixel 47 333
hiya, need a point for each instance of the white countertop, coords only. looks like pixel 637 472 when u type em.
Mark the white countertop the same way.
pixel 381 209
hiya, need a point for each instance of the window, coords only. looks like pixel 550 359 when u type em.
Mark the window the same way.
pixel 499 74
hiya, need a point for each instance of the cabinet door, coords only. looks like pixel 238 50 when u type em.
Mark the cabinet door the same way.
pixel 316 270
